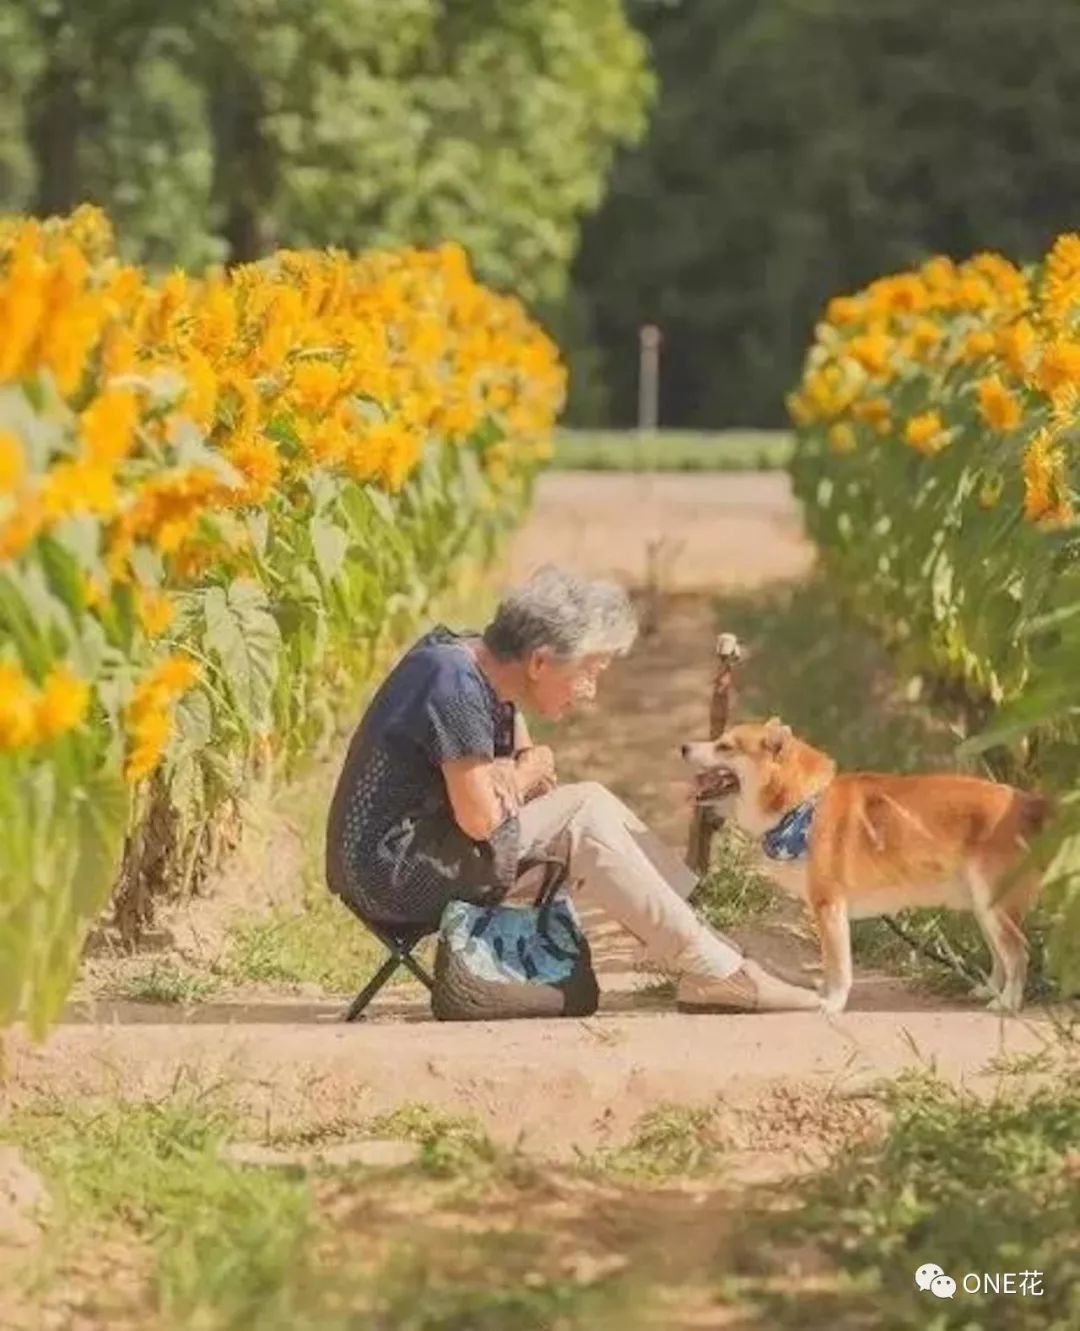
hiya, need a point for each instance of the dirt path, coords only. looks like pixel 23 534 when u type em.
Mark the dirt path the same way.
pixel 718 531
pixel 566 1084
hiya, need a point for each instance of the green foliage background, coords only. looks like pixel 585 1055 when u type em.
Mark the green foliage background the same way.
pixel 797 149
pixel 221 128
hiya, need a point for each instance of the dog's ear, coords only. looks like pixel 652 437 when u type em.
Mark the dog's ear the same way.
pixel 776 736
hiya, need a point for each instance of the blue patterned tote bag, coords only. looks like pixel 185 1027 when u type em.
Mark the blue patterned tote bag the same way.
pixel 494 962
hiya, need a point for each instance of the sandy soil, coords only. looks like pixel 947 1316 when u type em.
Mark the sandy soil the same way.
pixel 709 532
pixel 560 1085
pixel 555 1084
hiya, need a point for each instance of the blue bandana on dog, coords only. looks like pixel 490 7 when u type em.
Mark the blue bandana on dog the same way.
pixel 790 838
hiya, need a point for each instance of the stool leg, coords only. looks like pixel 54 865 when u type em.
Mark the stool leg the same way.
pixel 410 961
pixel 364 997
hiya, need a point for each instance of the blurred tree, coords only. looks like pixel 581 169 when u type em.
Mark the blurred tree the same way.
pixel 96 105
pixel 801 147
pixel 19 61
pixel 150 160
pixel 228 126
pixel 75 51
pixel 494 123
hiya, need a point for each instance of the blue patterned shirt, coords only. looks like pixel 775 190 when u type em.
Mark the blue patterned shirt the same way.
pixel 394 849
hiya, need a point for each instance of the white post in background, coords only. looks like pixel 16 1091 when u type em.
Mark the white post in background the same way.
pixel 654 537
pixel 649 378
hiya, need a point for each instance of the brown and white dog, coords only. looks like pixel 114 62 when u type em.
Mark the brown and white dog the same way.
pixel 859 844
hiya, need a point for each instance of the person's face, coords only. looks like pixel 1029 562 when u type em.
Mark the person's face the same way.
pixel 555 685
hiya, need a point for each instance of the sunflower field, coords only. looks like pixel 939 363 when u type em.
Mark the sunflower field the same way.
pixel 217 496
pixel 938 423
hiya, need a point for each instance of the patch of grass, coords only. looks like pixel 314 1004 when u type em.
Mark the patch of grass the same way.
pixel 494 1282
pixel 208 1244
pixel 1036 1062
pixel 734 892
pixel 814 665
pixel 324 1132
pixel 669 1142
pixel 876 946
pixel 319 943
pixel 971 1185
pixel 451 1145
pixel 672 450
pixel 227 1242
pixel 165 982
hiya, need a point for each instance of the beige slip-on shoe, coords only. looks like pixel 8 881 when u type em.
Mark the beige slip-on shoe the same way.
pixel 749 989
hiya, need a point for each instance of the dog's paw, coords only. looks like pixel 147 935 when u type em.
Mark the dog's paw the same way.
pixel 986 990
pixel 1007 1004
pixel 832 1003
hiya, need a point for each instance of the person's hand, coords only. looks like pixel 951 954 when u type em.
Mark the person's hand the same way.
pixel 536 771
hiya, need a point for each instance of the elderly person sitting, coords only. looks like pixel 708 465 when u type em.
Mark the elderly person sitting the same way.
pixel 444 796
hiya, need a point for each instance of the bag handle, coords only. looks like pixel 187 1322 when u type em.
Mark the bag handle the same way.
pixel 554 877
pixel 555 872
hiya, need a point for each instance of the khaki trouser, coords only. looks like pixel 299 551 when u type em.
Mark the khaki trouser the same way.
pixel 616 863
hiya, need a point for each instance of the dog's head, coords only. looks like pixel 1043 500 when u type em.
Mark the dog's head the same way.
pixel 745 758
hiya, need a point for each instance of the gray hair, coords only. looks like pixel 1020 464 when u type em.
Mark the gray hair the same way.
pixel 570 616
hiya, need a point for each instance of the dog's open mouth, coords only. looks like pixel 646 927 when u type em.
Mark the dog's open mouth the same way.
pixel 714 784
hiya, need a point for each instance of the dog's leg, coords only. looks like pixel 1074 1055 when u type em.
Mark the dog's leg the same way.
pixel 1008 947
pixel 834 932
pixel 1015 961
pixel 995 982
pixel 998 919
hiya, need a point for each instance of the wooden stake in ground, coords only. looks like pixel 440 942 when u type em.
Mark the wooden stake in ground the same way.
pixel 660 556
pixel 706 821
